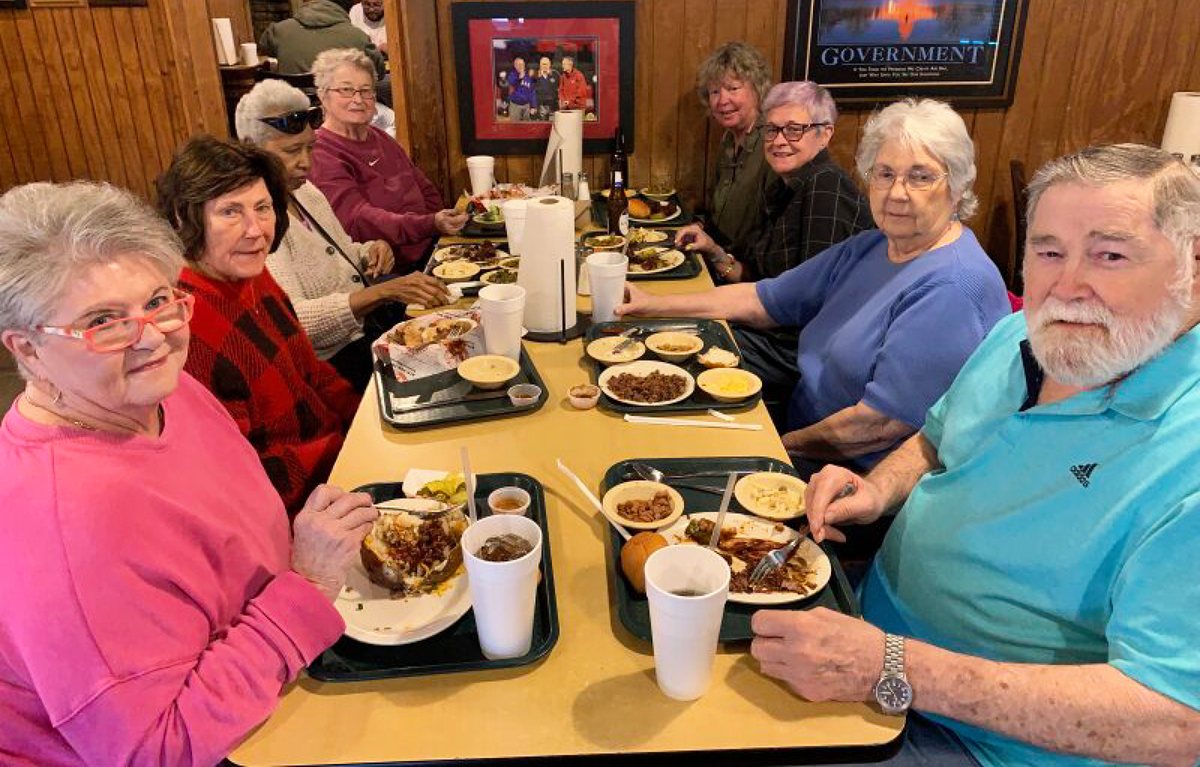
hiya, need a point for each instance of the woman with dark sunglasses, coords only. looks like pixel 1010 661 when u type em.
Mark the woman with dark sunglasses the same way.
pixel 333 282
pixel 153 600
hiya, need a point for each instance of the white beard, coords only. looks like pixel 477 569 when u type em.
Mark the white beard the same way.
pixel 1094 357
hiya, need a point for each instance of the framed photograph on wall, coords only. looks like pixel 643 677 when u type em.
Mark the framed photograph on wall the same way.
pixel 868 52
pixel 519 62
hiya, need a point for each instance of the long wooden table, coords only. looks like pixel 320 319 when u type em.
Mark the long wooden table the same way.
pixel 595 693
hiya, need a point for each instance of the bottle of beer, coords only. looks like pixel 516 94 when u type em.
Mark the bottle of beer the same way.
pixel 618 203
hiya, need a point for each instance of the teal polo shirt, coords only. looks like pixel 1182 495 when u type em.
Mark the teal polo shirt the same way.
pixel 1065 533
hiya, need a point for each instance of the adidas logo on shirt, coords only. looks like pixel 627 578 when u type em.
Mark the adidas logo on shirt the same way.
pixel 1083 472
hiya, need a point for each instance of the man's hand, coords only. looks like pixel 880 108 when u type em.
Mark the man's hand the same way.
pixel 820 654
pixel 449 221
pixel 865 505
pixel 379 258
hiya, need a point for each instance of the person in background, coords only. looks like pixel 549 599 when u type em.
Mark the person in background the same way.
pixel 732 83
pixel 521 97
pixel 153 599
pixel 368 16
pixel 228 201
pixel 810 205
pixel 574 90
pixel 376 190
pixel 329 278
pixel 887 317
pixel 545 89
pixel 318 25
pixel 1038 587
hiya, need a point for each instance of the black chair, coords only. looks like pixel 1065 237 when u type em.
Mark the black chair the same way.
pixel 304 81
pixel 1016 172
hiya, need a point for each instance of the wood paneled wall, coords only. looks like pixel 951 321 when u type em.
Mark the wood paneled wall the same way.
pixel 104 93
pixel 1092 71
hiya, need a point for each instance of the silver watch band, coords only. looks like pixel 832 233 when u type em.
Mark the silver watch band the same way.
pixel 893 655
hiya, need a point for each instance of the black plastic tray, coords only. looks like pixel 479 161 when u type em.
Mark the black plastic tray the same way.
pixel 446 384
pixel 712 332
pixel 475 229
pixel 457 648
pixel 688 269
pixel 600 215
pixel 632 607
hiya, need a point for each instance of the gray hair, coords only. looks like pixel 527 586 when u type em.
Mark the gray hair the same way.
pixel 933 127
pixel 49 233
pixel 328 62
pixel 806 94
pixel 739 60
pixel 270 98
pixel 1174 189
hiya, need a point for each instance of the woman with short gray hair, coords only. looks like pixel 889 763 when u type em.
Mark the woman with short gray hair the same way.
pixel 179 606
pixel 867 308
pixel 375 189
pixel 330 279
pixel 732 83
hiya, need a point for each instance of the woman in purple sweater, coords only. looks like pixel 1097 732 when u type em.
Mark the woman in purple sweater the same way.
pixel 375 189
pixel 150 614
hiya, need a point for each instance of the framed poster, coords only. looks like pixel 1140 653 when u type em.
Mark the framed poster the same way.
pixel 868 52
pixel 519 62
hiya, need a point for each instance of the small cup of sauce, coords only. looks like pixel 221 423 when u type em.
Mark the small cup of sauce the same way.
pixel 508 500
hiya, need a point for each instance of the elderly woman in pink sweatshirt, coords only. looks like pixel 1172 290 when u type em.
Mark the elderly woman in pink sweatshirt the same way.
pixel 150 615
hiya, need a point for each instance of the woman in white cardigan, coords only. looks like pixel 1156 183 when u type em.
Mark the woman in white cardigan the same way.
pixel 331 280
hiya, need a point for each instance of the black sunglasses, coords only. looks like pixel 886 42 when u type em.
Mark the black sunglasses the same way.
pixel 294 122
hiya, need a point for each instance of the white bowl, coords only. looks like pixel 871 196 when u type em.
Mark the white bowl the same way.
pixel 729 384
pixel 640 489
pixel 771 494
pixel 601 350
pixel 657 341
pixel 489 371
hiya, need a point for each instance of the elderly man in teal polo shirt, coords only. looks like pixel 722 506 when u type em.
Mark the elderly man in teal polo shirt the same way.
pixel 1037 599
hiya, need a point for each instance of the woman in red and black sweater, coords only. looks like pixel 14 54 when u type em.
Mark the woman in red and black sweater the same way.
pixel 228 202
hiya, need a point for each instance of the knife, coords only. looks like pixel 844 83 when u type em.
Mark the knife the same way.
pixel 475 397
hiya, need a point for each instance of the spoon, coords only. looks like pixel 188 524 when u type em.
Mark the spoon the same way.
pixel 652 474
pixel 644 468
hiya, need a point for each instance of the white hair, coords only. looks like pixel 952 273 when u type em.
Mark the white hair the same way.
pixel 806 94
pixel 933 127
pixel 270 98
pixel 49 233
pixel 1174 189
pixel 328 62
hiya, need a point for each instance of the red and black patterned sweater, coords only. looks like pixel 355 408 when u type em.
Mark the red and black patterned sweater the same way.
pixel 248 348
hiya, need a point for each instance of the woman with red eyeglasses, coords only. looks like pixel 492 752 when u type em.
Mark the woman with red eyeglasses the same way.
pixel 152 599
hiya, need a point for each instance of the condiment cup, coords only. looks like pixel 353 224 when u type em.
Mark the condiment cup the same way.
pixel 497 498
pixel 523 395
pixel 584 397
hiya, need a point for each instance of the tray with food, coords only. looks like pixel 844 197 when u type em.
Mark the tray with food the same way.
pixel 673 366
pixel 407 602
pixel 652 254
pixel 762 519
pixel 644 211
pixel 447 379
pixel 471 265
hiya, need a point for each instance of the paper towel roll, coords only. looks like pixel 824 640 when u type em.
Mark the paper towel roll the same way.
pixel 548 253
pixel 227 52
pixel 1182 134
pixel 566 134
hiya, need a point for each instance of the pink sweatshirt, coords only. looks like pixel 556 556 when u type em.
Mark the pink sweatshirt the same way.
pixel 377 192
pixel 148 614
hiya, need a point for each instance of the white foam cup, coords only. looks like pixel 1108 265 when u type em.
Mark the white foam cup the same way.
pixel 684 629
pixel 501 312
pixel 250 54
pixel 503 593
pixel 481 169
pixel 606 278
pixel 514 223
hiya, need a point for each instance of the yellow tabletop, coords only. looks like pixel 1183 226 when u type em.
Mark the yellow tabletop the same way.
pixel 595 692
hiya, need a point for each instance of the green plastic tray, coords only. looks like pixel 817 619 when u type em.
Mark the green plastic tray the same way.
pixel 457 648
pixel 632 608
pixel 712 332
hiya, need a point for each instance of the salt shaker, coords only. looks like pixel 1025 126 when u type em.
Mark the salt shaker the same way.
pixel 582 188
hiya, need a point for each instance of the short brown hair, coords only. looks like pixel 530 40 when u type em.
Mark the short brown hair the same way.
pixel 206 168
pixel 740 60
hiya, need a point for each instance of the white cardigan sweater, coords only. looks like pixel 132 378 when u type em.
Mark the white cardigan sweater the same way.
pixel 315 276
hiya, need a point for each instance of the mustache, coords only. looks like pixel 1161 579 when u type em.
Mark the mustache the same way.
pixel 1089 312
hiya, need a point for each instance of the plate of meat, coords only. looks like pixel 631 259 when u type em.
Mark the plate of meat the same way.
pixel 484 254
pixel 647 383
pixel 744 541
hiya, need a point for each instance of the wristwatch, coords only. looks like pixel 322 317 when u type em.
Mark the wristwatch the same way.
pixel 893 692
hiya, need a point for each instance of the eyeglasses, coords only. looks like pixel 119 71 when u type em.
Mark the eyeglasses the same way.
pixel 346 92
pixel 792 132
pixel 115 335
pixel 916 179
pixel 295 122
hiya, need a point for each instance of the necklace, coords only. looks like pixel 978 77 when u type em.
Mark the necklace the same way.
pixel 67 418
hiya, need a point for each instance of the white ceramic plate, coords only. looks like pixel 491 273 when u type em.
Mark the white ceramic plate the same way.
pixel 641 237
pixel 374 617
pixel 753 527
pixel 600 350
pixel 672 258
pixel 644 368
pixel 655 221
pixel 448 253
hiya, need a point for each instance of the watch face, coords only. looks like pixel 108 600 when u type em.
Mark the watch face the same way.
pixel 894 694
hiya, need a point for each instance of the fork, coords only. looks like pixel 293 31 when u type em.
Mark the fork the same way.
pixel 776 558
